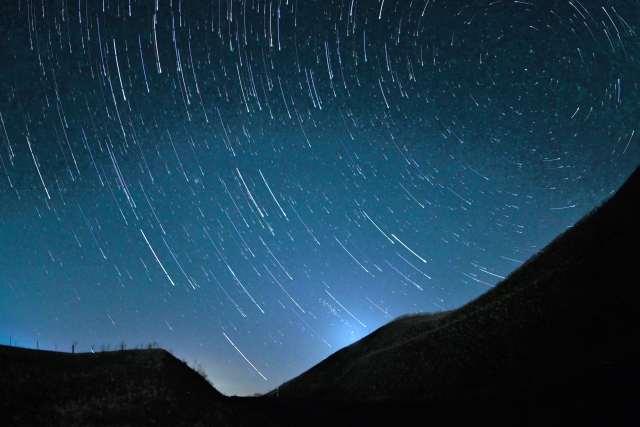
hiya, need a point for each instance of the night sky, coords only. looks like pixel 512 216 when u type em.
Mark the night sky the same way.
pixel 256 184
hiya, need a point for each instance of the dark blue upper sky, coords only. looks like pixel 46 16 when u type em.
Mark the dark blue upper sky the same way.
pixel 256 184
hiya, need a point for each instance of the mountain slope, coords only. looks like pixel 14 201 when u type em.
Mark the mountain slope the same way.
pixel 570 309
pixel 131 387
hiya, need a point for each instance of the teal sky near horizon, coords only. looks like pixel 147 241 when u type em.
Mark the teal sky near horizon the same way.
pixel 257 184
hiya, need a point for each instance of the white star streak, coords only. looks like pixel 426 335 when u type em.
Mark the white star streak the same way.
pixel 274 197
pixel 154 254
pixel 345 309
pixel 245 358
pixel 285 291
pixel 38 169
pixel 249 192
pixel 400 241
pixel 375 225
pixel 354 258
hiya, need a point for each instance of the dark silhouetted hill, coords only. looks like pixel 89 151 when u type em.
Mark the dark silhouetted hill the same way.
pixel 567 319
pixel 116 388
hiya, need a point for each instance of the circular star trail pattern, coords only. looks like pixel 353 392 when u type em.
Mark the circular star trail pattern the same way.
pixel 255 184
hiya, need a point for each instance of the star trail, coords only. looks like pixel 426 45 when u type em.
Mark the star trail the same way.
pixel 255 184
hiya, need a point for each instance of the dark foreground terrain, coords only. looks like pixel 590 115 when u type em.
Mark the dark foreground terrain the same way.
pixel 555 343
pixel 116 388
pixel 603 397
pixel 39 388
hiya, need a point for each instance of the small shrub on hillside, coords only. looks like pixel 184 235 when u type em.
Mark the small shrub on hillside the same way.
pixel 199 368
